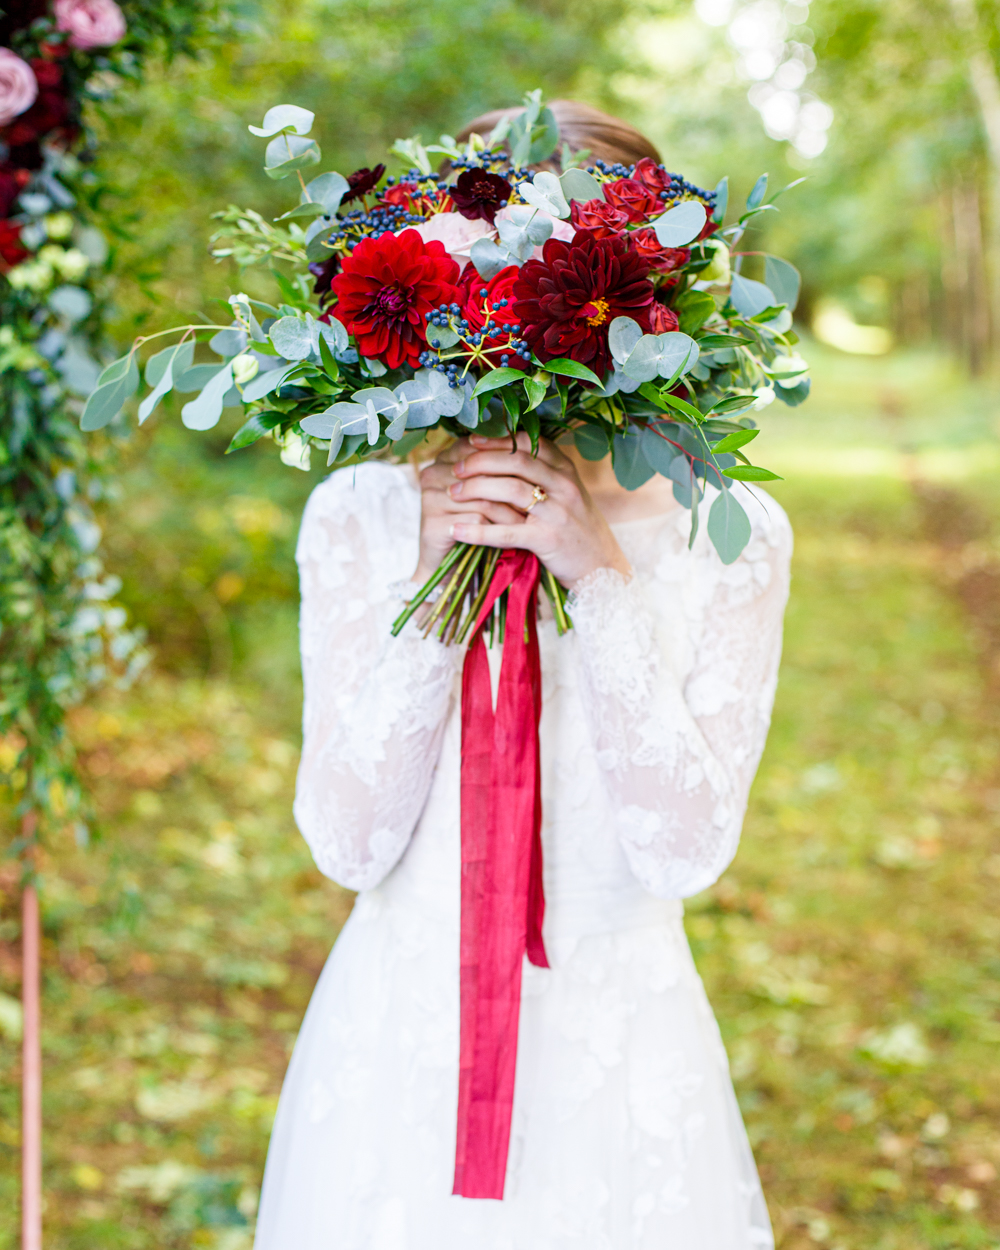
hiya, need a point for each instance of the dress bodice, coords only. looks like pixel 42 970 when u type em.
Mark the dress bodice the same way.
pixel 655 710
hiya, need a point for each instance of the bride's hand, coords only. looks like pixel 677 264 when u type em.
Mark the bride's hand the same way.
pixel 439 511
pixel 564 529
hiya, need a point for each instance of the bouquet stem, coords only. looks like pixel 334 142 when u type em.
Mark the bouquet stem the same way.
pixel 464 576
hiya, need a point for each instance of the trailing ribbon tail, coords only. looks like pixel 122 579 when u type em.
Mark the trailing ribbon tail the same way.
pixel 503 901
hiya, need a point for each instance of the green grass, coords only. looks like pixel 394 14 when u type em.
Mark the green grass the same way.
pixel 850 953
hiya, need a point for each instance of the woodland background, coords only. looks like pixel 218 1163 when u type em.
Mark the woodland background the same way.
pixel 851 952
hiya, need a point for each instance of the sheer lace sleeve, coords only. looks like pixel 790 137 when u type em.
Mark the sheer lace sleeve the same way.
pixel 375 706
pixel 678 756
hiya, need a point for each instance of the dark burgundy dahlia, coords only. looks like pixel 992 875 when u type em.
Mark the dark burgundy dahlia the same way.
pixel 479 195
pixel 567 300
pixel 361 182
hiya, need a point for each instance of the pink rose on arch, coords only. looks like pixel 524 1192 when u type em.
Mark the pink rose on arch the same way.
pixel 90 23
pixel 18 87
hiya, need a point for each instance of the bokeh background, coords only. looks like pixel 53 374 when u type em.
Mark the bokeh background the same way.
pixel 852 950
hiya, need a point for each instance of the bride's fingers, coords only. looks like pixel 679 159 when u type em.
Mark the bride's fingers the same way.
pixel 497 511
pixel 548 452
pixel 519 464
pixel 507 490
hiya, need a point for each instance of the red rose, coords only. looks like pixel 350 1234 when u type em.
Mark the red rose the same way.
pixel 495 308
pixel 652 176
pixel 633 198
pixel 401 193
pixel 662 320
pixel 599 217
pixel 386 289
pixel 662 259
pixel 11 251
pixel 567 300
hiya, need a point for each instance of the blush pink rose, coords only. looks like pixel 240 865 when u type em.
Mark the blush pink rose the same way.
pixel 455 232
pixel 90 23
pixel 18 87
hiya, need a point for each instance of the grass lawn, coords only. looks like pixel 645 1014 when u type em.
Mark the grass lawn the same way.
pixel 851 952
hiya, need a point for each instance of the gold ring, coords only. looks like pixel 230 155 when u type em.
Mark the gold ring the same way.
pixel 537 496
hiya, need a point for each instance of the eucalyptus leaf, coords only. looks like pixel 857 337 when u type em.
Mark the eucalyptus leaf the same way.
pixel 441 336
pixel 328 190
pixel 783 279
pixel 680 225
pixel 430 397
pixel 195 378
pixel 591 442
pixel 488 258
pixel 515 239
pixel 284 117
pixel 546 193
pixel 659 450
pixel 631 467
pixel 181 355
pixel 577 184
pixel 544 137
pixel 623 334
pixel 685 482
pixel 664 355
pixel 468 415
pixel 750 298
pixel 166 381
pixel 728 526
pixel 288 153
pixel 263 384
pixel 204 412
pixel 117 383
pixel 794 395
pixel 294 337
pixel 229 342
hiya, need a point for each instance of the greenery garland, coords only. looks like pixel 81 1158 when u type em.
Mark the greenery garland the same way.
pixel 60 632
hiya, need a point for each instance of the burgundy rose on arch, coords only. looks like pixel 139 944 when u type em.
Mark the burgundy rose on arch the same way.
pixel 361 182
pixel 633 198
pixel 567 300
pixel 479 195
pixel 600 217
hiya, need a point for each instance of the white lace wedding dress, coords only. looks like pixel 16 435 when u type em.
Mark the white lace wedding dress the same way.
pixel 626 1134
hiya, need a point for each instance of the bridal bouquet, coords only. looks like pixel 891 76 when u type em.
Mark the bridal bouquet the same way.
pixel 599 304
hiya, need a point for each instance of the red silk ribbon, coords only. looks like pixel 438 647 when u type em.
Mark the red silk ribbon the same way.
pixel 503 903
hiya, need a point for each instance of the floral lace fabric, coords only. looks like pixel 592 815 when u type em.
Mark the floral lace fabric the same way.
pixel 626 1133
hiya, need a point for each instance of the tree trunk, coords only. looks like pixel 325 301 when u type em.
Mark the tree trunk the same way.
pixel 986 85
pixel 31 1065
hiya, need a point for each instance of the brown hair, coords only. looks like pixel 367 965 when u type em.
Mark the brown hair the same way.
pixel 580 126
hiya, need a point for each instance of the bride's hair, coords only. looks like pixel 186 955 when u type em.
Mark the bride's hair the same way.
pixel 580 126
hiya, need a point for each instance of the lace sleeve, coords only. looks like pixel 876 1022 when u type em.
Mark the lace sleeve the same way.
pixel 375 706
pixel 679 757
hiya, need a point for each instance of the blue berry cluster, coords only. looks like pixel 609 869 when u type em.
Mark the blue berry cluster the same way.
pixel 679 186
pixel 450 315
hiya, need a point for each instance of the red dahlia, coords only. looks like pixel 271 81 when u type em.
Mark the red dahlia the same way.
pixel 498 304
pixel 567 300
pixel 386 289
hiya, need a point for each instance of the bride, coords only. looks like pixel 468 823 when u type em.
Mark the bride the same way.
pixel 626 1134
